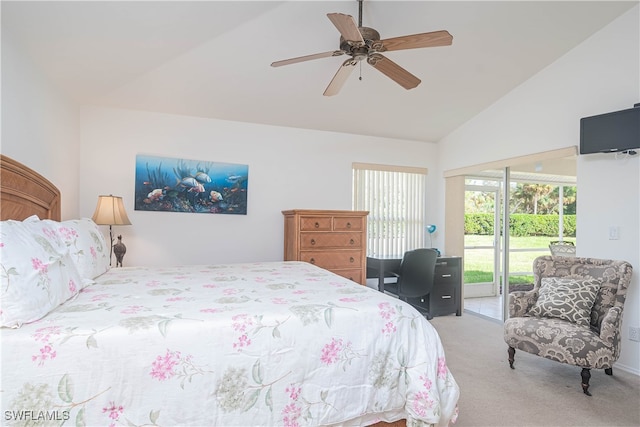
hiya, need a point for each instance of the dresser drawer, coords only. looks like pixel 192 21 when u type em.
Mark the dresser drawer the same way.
pixel 330 240
pixel 347 223
pixel 333 259
pixel 355 275
pixel 315 223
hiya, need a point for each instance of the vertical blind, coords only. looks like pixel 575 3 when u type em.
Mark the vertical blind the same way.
pixel 395 199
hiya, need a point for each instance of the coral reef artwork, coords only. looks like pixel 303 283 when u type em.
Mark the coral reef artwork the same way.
pixel 180 185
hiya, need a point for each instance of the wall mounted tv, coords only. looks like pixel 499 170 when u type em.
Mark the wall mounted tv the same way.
pixel 611 132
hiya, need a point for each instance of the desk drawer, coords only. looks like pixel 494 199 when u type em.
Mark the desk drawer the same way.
pixel 333 259
pixel 446 275
pixel 447 272
pixel 330 240
pixel 443 298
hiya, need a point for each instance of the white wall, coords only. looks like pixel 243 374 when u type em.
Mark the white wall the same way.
pixel 288 169
pixel 600 75
pixel 39 124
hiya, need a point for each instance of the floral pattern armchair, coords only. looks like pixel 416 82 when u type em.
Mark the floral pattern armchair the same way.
pixel 596 346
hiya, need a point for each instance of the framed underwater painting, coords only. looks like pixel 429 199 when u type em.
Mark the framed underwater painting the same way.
pixel 180 185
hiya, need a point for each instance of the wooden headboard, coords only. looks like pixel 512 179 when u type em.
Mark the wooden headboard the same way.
pixel 24 192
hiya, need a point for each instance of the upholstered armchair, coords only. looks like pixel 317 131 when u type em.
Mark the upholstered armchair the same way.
pixel 572 315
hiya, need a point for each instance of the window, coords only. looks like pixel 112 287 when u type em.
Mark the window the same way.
pixel 395 199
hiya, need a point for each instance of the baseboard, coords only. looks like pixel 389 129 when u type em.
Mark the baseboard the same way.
pixel 627 369
pixel 491 319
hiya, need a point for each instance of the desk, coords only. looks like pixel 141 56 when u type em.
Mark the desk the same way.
pixel 446 295
pixel 382 267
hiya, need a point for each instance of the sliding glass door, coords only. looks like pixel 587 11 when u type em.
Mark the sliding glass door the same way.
pixel 511 217
pixel 482 238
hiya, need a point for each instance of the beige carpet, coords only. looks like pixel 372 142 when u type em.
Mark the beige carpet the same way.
pixel 538 392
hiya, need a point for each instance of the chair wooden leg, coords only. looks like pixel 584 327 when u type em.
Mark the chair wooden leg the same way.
pixel 512 354
pixel 586 375
pixel 608 371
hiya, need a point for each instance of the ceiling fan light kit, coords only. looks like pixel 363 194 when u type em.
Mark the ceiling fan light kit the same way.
pixel 363 43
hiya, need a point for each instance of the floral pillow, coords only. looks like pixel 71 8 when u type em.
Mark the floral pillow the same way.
pixel 36 272
pixel 567 299
pixel 86 245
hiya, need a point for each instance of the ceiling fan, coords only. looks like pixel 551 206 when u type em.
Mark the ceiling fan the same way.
pixel 362 43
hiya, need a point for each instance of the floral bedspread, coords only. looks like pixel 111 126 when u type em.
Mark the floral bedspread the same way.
pixel 274 343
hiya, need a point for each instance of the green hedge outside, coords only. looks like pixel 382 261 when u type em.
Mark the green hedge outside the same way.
pixel 521 225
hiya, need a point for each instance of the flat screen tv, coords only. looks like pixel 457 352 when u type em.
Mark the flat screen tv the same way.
pixel 610 132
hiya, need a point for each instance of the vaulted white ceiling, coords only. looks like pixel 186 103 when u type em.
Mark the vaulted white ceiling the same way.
pixel 212 58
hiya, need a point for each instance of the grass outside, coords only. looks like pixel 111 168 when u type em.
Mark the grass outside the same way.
pixel 478 263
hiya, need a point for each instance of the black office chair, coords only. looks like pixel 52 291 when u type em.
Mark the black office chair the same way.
pixel 415 278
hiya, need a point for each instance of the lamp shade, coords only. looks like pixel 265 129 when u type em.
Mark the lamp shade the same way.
pixel 110 211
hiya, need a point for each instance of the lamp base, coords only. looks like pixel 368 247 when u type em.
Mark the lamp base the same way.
pixel 119 249
pixel 110 246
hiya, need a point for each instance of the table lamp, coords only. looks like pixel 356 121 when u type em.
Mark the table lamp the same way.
pixel 431 228
pixel 110 211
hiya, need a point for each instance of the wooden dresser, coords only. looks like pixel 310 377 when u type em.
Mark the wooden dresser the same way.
pixel 331 239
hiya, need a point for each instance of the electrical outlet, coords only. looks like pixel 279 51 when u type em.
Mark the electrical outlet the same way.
pixel 634 333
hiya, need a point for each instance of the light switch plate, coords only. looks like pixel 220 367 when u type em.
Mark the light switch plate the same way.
pixel 614 232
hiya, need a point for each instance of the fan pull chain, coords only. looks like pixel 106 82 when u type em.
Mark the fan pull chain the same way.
pixel 360 63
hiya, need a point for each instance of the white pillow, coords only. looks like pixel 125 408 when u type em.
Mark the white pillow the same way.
pixel 36 272
pixel 86 245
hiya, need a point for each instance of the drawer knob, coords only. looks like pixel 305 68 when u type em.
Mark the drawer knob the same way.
pixel 313 241
pixel 317 224
pixel 446 297
pixel 312 261
pixel 351 242
pixel 351 259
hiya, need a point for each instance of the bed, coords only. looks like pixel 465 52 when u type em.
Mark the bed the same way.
pixel 264 343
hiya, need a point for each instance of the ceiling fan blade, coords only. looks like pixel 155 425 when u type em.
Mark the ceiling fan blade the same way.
pixel 432 39
pixel 307 58
pixel 393 71
pixel 341 76
pixel 347 27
